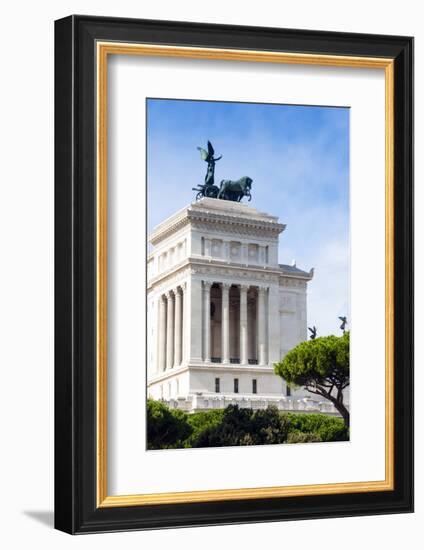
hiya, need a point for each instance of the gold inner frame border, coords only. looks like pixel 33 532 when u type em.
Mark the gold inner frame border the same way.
pixel 103 50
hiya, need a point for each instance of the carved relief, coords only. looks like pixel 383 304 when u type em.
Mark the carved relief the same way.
pixel 253 253
pixel 235 250
pixel 217 248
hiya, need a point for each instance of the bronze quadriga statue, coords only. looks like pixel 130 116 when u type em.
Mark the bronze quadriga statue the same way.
pixel 229 190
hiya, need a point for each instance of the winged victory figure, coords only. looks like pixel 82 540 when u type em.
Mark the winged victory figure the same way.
pixel 313 332
pixel 208 189
pixel 208 156
pixel 344 323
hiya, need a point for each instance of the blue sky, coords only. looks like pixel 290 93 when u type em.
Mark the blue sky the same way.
pixel 298 158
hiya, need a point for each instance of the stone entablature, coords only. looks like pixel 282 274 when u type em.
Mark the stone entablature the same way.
pixel 214 215
pixel 231 270
pixel 221 309
pixel 209 229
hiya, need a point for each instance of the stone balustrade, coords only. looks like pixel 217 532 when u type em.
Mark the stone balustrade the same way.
pixel 283 403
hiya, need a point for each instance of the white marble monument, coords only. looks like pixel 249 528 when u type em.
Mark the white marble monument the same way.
pixel 222 310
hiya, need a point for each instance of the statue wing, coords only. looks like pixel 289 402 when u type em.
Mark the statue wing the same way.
pixel 203 153
pixel 210 149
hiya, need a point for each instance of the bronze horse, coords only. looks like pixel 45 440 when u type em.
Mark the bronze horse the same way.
pixel 235 190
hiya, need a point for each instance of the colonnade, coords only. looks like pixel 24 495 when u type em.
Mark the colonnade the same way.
pixel 171 318
pixel 260 336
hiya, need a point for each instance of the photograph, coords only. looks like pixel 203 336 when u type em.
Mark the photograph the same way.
pixel 233 273
pixel 248 273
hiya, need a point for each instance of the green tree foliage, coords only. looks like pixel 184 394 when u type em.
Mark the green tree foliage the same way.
pixel 202 421
pixel 321 366
pixel 246 427
pixel 322 426
pixel 166 429
pixel 173 429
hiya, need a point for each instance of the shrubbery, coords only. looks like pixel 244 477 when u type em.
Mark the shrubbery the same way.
pixel 233 426
pixel 327 428
pixel 166 429
pixel 201 422
pixel 245 427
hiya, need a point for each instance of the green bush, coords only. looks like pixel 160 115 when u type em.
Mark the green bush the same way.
pixel 245 427
pixel 202 421
pixel 166 428
pixel 327 428
pixel 234 426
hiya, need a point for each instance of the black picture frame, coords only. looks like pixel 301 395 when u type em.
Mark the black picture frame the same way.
pixel 76 508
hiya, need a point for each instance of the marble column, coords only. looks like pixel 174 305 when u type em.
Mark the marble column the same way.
pixel 274 354
pixel 207 321
pixel 177 328
pixel 184 336
pixel 261 327
pixel 170 331
pixel 243 325
pixel 225 323
pixel 161 334
pixel 194 320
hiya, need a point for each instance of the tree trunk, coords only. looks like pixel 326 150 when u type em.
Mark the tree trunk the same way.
pixel 343 411
pixel 337 402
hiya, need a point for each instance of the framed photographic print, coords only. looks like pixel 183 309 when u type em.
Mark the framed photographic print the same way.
pixel 234 285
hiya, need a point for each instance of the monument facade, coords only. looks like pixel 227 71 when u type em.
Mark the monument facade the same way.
pixel 222 310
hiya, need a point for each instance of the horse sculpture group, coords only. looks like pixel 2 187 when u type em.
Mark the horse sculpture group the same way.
pixel 235 190
pixel 228 190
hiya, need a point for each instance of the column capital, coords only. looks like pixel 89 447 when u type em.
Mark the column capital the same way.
pixel 225 286
pixel 262 289
pixel 183 286
pixel 207 285
pixel 169 294
pixel 244 287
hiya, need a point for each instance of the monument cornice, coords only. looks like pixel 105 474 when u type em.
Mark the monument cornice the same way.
pixel 222 216
pixel 209 367
pixel 232 223
pixel 226 271
pixel 238 230
pixel 256 270
pixel 176 275
pixel 218 368
pixel 229 269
